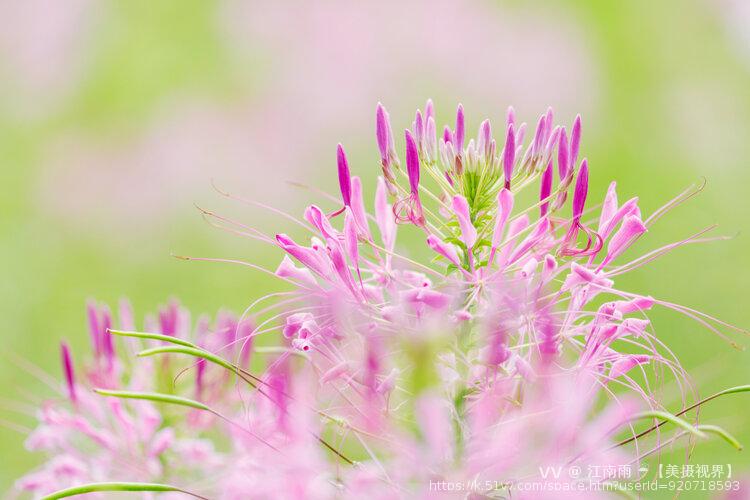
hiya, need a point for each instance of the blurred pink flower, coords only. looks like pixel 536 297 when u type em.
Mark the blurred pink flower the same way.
pixel 43 48
pixel 315 70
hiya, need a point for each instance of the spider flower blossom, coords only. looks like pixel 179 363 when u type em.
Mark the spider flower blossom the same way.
pixel 92 438
pixel 509 347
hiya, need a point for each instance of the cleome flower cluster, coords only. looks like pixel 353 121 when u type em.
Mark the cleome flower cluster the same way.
pixel 463 364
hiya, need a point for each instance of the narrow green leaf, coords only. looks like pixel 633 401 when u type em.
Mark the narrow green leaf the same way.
pixel 96 487
pixel 152 336
pixel 191 351
pixel 731 390
pixel 154 396
pixel 670 418
pixel 715 429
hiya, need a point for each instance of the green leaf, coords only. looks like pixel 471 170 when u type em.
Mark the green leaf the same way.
pixel 191 351
pixel 670 418
pixel 152 336
pixel 715 429
pixel 154 396
pixel 96 487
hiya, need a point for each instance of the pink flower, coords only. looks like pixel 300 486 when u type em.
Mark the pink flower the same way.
pixel 501 346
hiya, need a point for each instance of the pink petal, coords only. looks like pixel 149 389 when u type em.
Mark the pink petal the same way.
pixel 462 211
pixel 445 249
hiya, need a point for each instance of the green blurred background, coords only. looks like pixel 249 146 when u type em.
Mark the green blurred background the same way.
pixel 115 117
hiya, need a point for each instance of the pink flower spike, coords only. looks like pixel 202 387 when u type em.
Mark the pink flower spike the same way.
pixel 315 216
pixel 630 207
pixel 460 133
pixel 107 342
pixel 549 117
pixel 336 372
pixel 511 116
pixel 445 249
pixel 419 129
pixel 509 155
pixel 535 237
pixel 545 189
pixel 125 312
pixel 306 256
pixel 384 216
pixel 412 162
pixel 563 159
pixel 520 134
pixel 345 181
pixel 581 190
pixel 358 208
pixel 350 241
pixel 427 297
pixel 609 206
pixel 288 270
pixel 67 364
pixel 447 135
pixel 463 214
pixel 504 208
pixel 431 140
pixel 632 228
pixel 429 110
pixel 484 139
pixel 92 316
pixel 627 363
pixel 575 140
pixel 637 304
pixel 339 265
pixel 382 128
pixel 162 440
pixel 539 136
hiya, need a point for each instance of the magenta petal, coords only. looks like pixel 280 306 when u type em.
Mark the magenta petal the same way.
pixel 609 206
pixel 635 305
pixel 428 297
pixel 429 110
pixel 575 140
pixel 384 216
pixel 345 181
pixel 627 363
pixel 306 256
pixel 445 249
pixel 539 136
pixel 468 231
pixel 447 135
pixel 563 159
pixel 288 270
pixel 460 133
pixel 534 238
pixel 381 132
pixel 581 190
pixel 504 208
pixel 93 320
pixel 511 116
pixel 350 238
pixel 632 227
pixel 67 363
pixel 545 189
pixel 358 208
pixel 412 162
pixel 630 207
pixel 319 220
pixel 509 155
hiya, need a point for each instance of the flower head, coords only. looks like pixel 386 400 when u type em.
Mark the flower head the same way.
pixel 508 347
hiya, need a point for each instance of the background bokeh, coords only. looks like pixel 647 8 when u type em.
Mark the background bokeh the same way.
pixel 117 116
